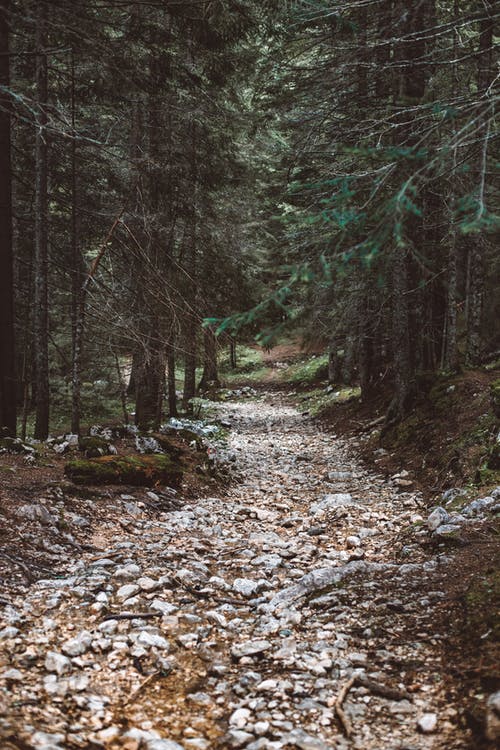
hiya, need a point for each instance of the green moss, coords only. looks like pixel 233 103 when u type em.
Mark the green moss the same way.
pixel 93 447
pixel 310 370
pixel 140 471
pixel 167 445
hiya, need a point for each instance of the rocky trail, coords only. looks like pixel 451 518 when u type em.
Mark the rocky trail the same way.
pixel 288 613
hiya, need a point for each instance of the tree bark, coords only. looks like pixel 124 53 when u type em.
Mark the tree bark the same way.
pixel 410 53
pixel 150 381
pixel 476 264
pixel 172 393
pixel 77 268
pixel 210 376
pixel 232 354
pixel 41 322
pixel 7 337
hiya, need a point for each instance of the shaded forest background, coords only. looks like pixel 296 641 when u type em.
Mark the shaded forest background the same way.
pixel 178 176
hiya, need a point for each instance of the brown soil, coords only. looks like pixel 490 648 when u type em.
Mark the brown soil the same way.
pixel 444 441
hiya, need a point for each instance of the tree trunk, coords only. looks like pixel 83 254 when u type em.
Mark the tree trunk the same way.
pixel 450 332
pixel 189 390
pixel 210 376
pixel 190 322
pixel 400 335
pixel 410 89
pixel 7 350
pixel 232 354
pixel 476 266
pixel 334 361
pixel 77 270
pixel 149 383
pixel 41 322
pixel 123 389
pixel 172 393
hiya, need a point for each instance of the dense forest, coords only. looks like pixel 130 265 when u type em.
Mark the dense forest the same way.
pixel 249 375
pixel 178 176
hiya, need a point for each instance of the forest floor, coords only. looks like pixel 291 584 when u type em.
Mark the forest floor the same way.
pixel 307 606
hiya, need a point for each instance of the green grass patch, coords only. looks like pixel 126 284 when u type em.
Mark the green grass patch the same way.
pixel 308 371
pixel 319 400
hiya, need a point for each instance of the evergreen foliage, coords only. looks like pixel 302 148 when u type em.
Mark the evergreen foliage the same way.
pixel 255 165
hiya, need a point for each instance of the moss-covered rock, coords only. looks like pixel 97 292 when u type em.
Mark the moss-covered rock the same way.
pixel 168 445
pixel 93 446
pixel 140 471
pixel 14 445
pixel 188 436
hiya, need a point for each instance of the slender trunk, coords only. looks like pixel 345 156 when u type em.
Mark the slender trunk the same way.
pixel 76 270
pixel 476 277
pixel 136 358
pixel 334 361
pixel 172 394
pixel 189 390
pixel 450 332
pixel 123 389
pixel 365 346
pixel 41 322
pixel 190 321
pixel 79 330
pixel 400 334
pixel 232 354
pixel 362 57
pixel 383 51
pixel 7 350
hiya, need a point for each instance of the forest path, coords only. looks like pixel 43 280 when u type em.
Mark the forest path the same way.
pixel 267 602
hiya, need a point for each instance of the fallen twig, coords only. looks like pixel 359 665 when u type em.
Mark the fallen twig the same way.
pixel 341 715
pixel 133 695
pixel 383 690
pixel 132 615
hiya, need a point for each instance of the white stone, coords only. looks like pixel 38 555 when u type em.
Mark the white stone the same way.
pixel 147 584
pixel 427 723
pixel 57 663
pixel 240 718
pixel 78 645
pixel 152 639
pixel 127 591
pixel 13 674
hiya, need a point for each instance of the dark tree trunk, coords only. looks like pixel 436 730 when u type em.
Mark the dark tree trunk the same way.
pixel 191 324
pixel 334 361
pixel 77 271
pixel 232 354
pixel 149 384
pixel 210 376
pixel 123 390
pixel 41 322
pixel 136 362
pixel 172 393
pixel 383 82
pixel 7 353
pixel 476 264
pixel 400 336
pixel 189 390
pixel 410 89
